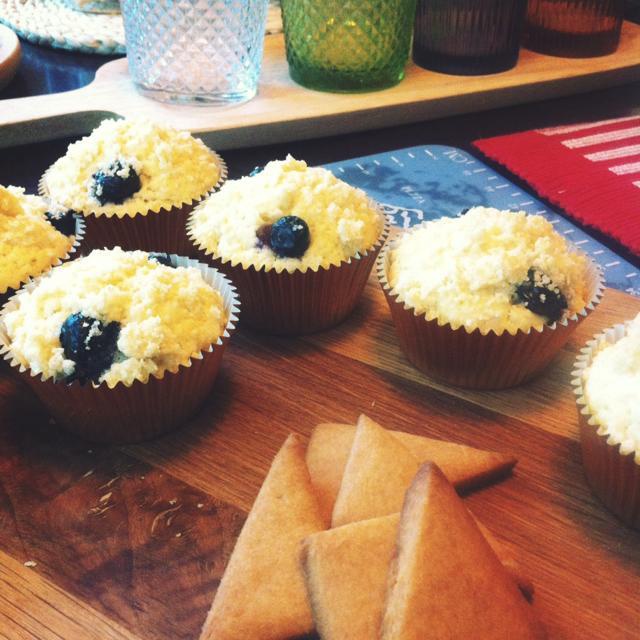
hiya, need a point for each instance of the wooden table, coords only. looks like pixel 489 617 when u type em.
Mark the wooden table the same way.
pixel 129 542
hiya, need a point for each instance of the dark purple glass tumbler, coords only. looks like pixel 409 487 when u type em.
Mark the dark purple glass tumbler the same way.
pixel 468 37
pixel 574 28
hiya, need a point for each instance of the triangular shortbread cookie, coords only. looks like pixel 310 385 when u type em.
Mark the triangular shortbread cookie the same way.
pixel 262 595
pixel 376 477
pixel 465 467
pixel 346 575
pixel 445 582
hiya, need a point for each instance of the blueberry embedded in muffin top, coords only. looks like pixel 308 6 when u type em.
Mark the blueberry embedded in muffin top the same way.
pixel 287 237
pixel 290 237
pixel 540 295
pixel 161 258
pixel 115 183
pixel 90 344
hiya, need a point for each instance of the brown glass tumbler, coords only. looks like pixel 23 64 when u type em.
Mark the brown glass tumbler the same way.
pixel 574 28
pixel 468 37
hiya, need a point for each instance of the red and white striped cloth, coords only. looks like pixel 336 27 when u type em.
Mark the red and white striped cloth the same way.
pixel 590 170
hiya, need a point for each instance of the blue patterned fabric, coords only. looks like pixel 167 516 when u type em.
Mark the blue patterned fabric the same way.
pixel 428 182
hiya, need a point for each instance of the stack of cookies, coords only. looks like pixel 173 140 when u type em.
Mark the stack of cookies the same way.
pixel 363 536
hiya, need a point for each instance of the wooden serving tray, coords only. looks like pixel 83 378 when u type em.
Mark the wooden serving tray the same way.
pixel 128 543
pixel 284 111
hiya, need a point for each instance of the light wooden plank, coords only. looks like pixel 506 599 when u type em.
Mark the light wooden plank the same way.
pixel 33 607
pixel 284 111
pixel 106 528
pixel 547 401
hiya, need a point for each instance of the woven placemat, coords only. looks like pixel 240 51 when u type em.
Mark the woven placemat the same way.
pixel 591 170
pixel 51 23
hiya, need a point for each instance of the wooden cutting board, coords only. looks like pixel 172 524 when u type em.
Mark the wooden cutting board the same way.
pixel 285 111
pixel 100 542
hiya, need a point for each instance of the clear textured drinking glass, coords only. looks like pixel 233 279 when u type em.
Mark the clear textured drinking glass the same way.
pixel 574 28
pixel 195 51
pixel 468 37
pixel 347 45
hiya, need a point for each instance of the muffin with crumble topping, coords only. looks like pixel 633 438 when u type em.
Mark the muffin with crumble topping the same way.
pixel 487 299
pixel 135 182
pixel 121 345
pixel 33 238
pixel 298 242
pixel 606 380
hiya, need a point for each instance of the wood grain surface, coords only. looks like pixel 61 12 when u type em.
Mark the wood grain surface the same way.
pixel 130 542
pixel 284 111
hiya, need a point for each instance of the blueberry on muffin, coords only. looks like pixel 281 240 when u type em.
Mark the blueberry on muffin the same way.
pixel 160 258
pixel 288 237
pixel 62 220
pixel 115 183
pixel 539 294
pixel 90 344
pixel 30 243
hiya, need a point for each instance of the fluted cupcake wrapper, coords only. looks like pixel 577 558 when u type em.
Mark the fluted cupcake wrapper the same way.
pixel 143 409
pixel 614 476
pixel 472 359
pixel 160 229
pixel 297 302
pixel 79 236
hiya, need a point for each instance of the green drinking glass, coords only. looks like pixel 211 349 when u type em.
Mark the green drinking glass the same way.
pixel 347 45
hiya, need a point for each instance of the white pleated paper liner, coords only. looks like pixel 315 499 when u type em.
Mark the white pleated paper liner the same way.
pixel 613 475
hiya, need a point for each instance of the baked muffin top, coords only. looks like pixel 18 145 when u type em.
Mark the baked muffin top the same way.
pixel 287 216
pixel 115 316
pixel 29 243
pixel 610 386
pixel 489 269
pixel 132 166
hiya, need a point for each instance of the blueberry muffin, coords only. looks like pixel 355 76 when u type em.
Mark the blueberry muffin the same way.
pixel 298 242
pixel 115 321
pixel 33 238
pixel 492 281
pixel 135 181
pixel 607 379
